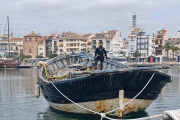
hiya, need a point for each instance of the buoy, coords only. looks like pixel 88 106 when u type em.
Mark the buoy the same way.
pixel 37 90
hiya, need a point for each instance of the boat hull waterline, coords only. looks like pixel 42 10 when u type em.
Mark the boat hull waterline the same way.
pixel 104 106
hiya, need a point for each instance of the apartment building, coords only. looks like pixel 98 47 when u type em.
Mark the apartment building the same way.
pixel 160 38
pixel 30 44
pixel 89 42
pixel 145 45
pixel 174 40
pixel 74 42
pixel 111 40
pixel 41 50
pixel 4 41
pixel 65 43
pixel 16 46
pixel 132 40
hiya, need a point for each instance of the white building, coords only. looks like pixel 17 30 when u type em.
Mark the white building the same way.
pixel 145 45
pixel 65 43
pixel 174 40
pixel 16 45
pixel 111 40
pixel 132 40
pixel 89 42
pixel 41 50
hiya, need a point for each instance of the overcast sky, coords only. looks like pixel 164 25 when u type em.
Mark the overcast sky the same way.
pixel 89 16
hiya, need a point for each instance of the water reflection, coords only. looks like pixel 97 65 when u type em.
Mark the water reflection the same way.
pixel 17 99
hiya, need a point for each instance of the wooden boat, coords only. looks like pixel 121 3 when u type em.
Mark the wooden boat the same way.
pixel 9 64
pixel 98 90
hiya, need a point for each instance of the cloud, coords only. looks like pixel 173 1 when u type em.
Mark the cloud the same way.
pixel 45 16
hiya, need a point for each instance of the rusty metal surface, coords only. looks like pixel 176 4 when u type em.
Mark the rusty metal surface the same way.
pixel 105 106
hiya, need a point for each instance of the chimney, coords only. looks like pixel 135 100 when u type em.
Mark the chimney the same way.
pixel 32 32
pixel 178 33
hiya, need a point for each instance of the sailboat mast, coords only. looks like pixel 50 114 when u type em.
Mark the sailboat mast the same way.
pixel 8 35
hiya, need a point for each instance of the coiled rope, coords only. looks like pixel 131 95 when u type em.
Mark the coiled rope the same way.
pixel 47 74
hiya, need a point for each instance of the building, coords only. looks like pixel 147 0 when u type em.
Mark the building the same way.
pixel 111 40
pixel 145 45
pixel 74 42
pixel 89 42
pixel 30 44
pixel 16 44
pixel 4 41
pixel 41 50
pixel 124 49
pixel 174 40
pixel 132 40
pixel 65 43
pixel 160 38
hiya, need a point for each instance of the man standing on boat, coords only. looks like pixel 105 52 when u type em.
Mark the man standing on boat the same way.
pixel 100 52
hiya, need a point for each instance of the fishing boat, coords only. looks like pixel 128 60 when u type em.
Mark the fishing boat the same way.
pixel 9 63
pixel 68 78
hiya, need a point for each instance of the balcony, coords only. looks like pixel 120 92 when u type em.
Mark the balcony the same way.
pixel 159 48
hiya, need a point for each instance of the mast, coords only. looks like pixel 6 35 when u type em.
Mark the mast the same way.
pixel 8 35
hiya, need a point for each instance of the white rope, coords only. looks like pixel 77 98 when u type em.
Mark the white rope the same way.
pixel 175 115
pixel 144 118
pixel 103 115
pixel 73 101
pixel 134 97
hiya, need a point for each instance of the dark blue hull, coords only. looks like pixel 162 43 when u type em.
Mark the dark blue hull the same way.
pixel 104 86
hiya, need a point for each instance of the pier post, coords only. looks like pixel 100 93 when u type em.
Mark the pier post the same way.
pixel 121 98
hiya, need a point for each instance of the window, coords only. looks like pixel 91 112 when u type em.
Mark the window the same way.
pixel 71 40
pixel 55 42
pixel 160 41
pixel 11 48
pixel 41 54
pixel 100 41
pixel 156 41
pixel 30 51
pixel 25 40
pixel 94 47
pixel 108 42
pixel 93 41
pixel 40 48
pixel 36 39
pixel 29 39
pixel 61 50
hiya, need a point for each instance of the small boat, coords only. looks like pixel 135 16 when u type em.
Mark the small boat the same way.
pixel 9 64
pixel 98 90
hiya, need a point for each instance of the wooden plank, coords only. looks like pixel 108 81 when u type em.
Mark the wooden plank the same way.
pixel 121 98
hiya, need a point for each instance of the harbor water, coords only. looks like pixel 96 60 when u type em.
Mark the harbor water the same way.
pixel 17 100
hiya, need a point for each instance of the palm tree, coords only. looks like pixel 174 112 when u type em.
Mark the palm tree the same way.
pixel 174 48
pixel 167 47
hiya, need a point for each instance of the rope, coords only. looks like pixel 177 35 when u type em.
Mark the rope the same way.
pixel 134 97
pixel 47 74
pixel 175 115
